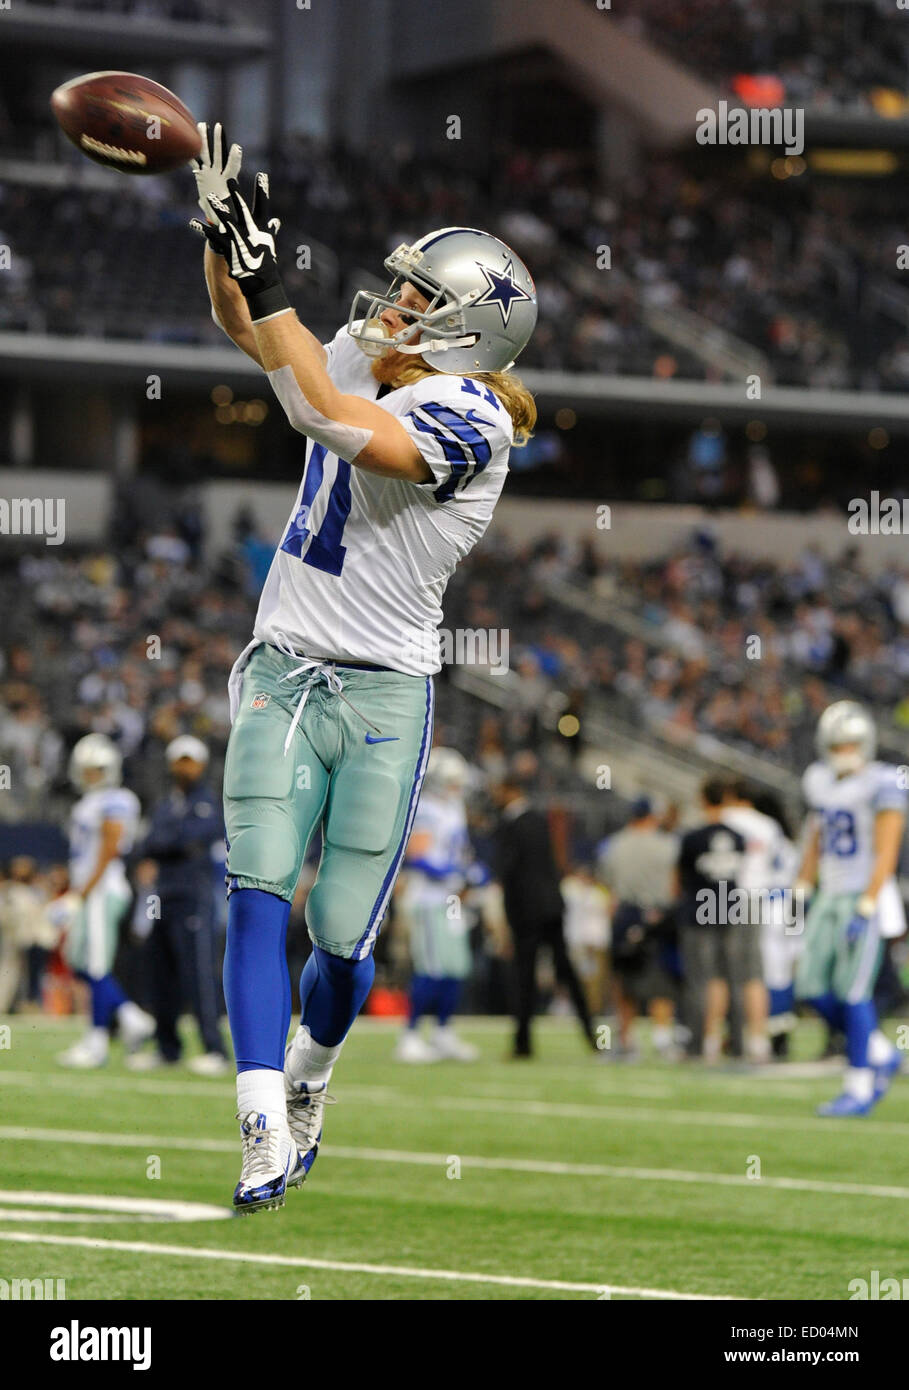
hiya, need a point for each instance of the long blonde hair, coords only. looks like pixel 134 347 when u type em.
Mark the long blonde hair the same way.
pixel 510 390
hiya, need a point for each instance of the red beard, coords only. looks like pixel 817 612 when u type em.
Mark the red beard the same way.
pixel 389 367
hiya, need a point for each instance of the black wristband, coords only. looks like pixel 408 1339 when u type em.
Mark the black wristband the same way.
pixel 265 302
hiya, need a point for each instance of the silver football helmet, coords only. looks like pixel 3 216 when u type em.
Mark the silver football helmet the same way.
pixel 482 303
pixel 95 751
pixel 846 722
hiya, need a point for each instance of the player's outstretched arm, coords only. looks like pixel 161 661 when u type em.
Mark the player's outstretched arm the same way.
pixel 217 162
pixel 228 306
pixel 353 428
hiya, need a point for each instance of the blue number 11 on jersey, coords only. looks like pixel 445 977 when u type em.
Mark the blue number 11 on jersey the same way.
pixel 323 548
pixel 465 446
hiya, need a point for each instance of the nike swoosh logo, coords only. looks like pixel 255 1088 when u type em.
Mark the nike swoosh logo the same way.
pixel 393 739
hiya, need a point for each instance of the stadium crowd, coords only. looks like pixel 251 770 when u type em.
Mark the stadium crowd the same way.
pixel 666 643
pixel 801 272
pixel 695 645
pixel 823 55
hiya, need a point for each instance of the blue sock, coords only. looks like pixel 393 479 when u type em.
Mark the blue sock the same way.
pixel 256 978
pixel 782 1001
pixel 423 991
pixel 107 996
pixel 333 990
pixel 447 998
pixel 830 1009
pixel 861 1021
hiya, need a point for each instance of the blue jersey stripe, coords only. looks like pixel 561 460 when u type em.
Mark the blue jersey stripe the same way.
pixel 450 231
pixel 465 447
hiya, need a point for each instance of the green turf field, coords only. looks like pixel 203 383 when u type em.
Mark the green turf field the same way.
pixel 576 1176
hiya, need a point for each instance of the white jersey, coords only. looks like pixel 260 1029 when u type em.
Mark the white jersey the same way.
pixel 586 921
pixel 844 809
pixel 444 820
pixel 364 560
pixel 762 864
pixel 88 815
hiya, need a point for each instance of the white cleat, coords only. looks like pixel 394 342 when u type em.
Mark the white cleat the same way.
pixel 136 1026
pixel 412 1048
pixel 445 1043
pixel 88 1052
pixel 210 1064
pixel 270 1162
pixel 306 1101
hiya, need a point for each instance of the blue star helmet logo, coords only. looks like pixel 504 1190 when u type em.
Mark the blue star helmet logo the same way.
pixel 502 290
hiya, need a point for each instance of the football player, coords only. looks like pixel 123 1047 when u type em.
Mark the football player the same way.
pixel 436 865
pixel 781 937
pixel 410 413
pixel 857 812
pixel 103 827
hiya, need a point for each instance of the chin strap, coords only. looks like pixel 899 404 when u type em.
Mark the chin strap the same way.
pixel 438 344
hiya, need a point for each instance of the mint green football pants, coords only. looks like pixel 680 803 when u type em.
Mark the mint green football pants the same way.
pixel 91 942
pixel 439 944
pixel 357 772
pixel 830 963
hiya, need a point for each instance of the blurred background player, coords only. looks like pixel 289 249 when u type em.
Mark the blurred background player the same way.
pixel 177 867
pixel 638 865
pixel 436 864
pixel 782 930
pixel 719 958
pixel 102 830
pixel 588 928
pixel 857 815
pixel 33 936
pixel 534 908
pixel 758 876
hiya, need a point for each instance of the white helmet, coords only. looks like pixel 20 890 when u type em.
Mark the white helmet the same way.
pixel 846 722
pixel 482 303
pixel 447 771
pixel 95 751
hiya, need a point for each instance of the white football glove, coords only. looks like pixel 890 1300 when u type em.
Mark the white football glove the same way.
pixel 212 169
pixel 245 237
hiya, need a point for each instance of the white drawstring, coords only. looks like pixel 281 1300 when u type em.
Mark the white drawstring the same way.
pixel 314 670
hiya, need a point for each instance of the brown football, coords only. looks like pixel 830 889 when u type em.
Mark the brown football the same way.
pixel 126 122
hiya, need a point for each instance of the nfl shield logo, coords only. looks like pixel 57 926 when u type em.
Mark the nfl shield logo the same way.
pixel 260 701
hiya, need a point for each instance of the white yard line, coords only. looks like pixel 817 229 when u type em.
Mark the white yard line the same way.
pixel 545 1167
pixel 496 1106
pixel 106 1139
pixel 512 1281
pixel 171 1209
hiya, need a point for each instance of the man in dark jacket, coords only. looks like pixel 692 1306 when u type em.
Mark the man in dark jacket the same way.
pixel 177 868
pixel 533 906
